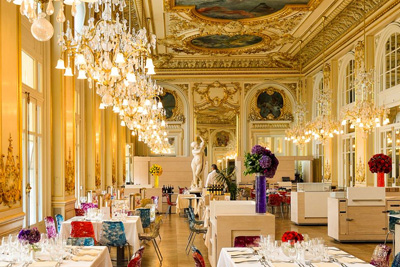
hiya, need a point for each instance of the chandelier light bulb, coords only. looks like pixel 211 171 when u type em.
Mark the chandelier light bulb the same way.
pixel 114 72
pixel 358 120
pixel 163 123
pixel 82 75
pixel 125 102
pixel 147 102
pixel 133 133
pixel 351 126
pixel 150 71
pixel 120 58
pixel 160 105
pixel 123 123
pixel 149 64
pixel 344 122
pixel 102 106
pixel 131 77
pixel 68 72
pixel 80 59
pixel 377 120
pixel 60 64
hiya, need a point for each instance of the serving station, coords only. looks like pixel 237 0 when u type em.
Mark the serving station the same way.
pixel 309 204
pixel 361 214
pixel 229 219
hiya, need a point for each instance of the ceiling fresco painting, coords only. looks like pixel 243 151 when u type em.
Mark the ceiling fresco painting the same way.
pixel 226 42
pixel 237 9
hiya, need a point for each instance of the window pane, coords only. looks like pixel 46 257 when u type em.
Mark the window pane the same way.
pixel 32 178
pixel 28 70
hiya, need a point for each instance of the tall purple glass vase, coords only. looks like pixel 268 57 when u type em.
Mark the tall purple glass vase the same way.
pixel 261 193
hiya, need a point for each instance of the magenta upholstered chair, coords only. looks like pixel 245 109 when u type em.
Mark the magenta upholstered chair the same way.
pixel 247 241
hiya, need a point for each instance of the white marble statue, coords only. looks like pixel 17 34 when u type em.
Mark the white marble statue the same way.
pixel 197 164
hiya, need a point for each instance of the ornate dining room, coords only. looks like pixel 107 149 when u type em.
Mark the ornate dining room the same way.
pixel 222 133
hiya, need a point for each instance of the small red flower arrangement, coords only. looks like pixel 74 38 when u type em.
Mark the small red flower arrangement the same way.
pixel 292 235
pixel 380 163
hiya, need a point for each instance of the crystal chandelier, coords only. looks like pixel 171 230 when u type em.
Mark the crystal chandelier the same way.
pixel 364 114
pixel 299 133
pixel 36 11
pixel 117 60
pixel 324 126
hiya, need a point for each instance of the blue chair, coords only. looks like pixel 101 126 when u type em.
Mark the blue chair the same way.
pixel 59 220
pixel 144 214
pixel 396 261
pixel 113 235
pixel 392 223
pixel 80 241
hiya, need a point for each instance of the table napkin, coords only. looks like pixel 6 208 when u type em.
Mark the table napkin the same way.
pixel 43 264
pixel 236 253
pixel 240 260
pixel 3 264
pixel 91 252
pixel 284 264
pixel 83 258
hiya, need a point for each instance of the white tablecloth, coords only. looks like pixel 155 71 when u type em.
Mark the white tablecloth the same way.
pixel 102 260
pixel 183 203
pixel 133 227
pixel 225 260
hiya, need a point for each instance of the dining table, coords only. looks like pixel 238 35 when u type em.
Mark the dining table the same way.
pixel 132 224
pixel 97 256
pixel 250 257
pixel 183 201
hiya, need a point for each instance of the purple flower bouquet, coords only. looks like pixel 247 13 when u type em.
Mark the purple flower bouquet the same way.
pixel 30 235
pixel 261 160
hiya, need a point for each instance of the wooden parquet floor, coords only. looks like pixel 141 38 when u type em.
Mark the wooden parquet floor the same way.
pixel 175 231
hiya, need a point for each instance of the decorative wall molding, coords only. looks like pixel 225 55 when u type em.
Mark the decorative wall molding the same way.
pixel 98 173
pixel 114 173
pixel 267 125
pixel 248 87
pixel 70 173
pixel 10 179
pixel 178 111
pixel 184 88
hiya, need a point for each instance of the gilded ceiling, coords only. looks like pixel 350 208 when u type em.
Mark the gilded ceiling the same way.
pixel 250 35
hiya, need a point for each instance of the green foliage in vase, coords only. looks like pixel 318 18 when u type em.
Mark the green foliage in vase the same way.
pixel 227 176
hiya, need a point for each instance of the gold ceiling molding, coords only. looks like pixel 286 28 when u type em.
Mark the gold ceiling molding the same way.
pixel 274 60
pixel 69 173
pixel 347 19
pixel 274 34
pixel 177 112
pixel 285 111
pixel 97 177
pixel 278 125
pixel 10 179
pixel 169 6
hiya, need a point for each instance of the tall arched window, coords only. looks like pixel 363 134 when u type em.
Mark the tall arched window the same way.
pixel 390 67
pixel 349 91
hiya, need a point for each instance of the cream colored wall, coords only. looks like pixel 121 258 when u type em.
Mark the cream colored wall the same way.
pixel 176 170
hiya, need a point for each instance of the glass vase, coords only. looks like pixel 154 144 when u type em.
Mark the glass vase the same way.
pixel 380 179
pixel 261 193
pixel 156 181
